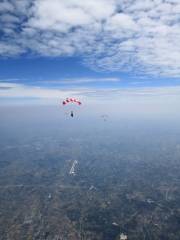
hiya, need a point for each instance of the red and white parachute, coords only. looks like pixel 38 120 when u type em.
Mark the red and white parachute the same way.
pixel 71 104
pixel 71 100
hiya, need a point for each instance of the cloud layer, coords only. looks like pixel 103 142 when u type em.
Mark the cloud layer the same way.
pixel 13 90
pixel 139 36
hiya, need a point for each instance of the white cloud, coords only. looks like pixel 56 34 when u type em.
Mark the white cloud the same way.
pixel 121 22
pixel 7 49
pixel 82 80
pixel 9 18
pixel 115 35
pixel 6 6
pixel 12 90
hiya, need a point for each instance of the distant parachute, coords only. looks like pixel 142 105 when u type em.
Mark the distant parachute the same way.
pixel 71 102
pixel 104 117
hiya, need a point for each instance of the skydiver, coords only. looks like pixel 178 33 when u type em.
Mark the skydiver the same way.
pixel 72 114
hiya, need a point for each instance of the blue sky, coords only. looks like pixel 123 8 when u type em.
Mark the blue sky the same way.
pixel 89 48
pixel 71 71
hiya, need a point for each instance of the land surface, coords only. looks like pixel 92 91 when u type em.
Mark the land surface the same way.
pixel 72 181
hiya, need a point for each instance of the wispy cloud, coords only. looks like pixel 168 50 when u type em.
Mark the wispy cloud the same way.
pixel 13 90
pixel 111 35
pixel 81 81
pixel 10 80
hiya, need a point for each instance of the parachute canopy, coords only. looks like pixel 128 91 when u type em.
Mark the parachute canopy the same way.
pixel 71 100
pixel 72 104
pixel 104 117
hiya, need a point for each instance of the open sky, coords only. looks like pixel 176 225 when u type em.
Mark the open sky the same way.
pixel 97 49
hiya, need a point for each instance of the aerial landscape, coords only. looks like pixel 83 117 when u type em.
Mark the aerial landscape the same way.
pixel 89 120
pixel 68 181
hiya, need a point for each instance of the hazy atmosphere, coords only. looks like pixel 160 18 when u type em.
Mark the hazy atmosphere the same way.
pixel 89 120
